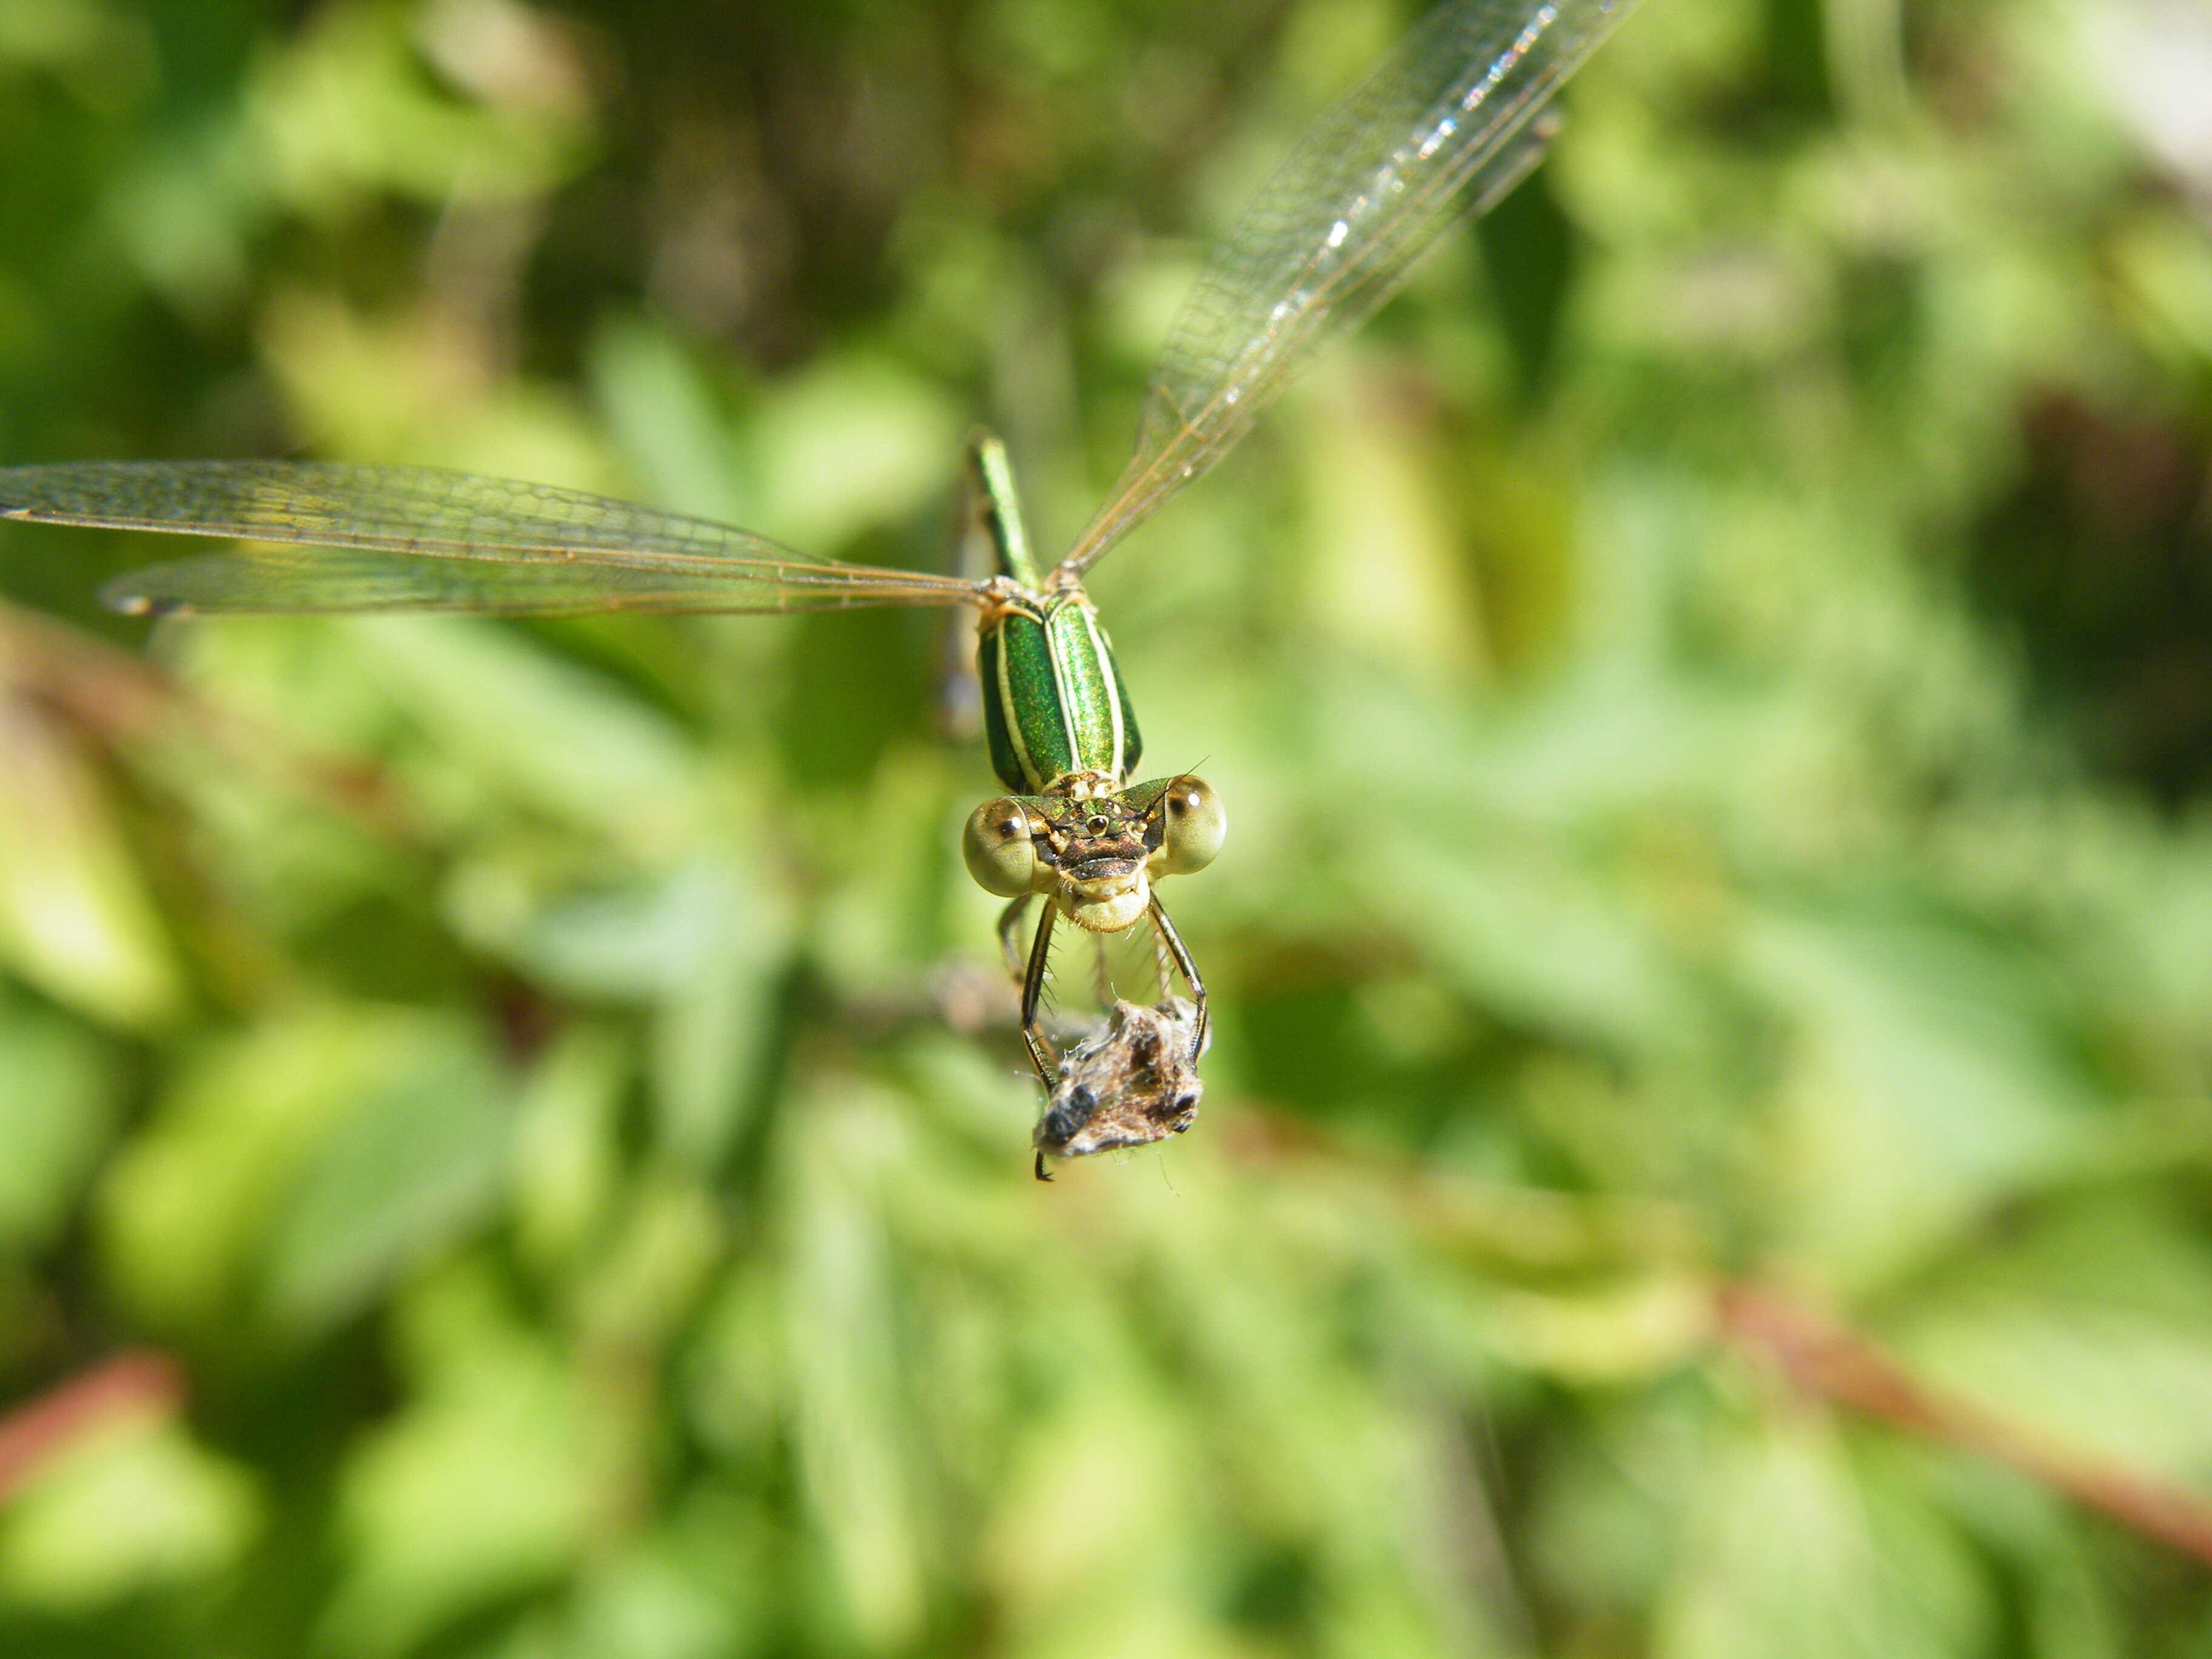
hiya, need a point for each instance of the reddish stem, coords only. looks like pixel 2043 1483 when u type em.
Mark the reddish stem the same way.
pixel 1828 1360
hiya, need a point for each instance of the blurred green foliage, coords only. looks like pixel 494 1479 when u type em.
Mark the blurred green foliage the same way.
pixel 1714 693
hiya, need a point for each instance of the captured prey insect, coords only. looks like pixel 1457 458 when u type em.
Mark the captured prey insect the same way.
pixel 1446 125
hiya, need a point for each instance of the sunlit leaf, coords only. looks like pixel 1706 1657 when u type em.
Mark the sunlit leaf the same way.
pixel 286 1163
pixel 56 1112
pixel 1795 1552
pixel 134 1508
pixel 75 919
pixel 488 1485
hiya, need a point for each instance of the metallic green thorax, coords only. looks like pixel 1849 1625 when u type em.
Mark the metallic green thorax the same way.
pixel 1053 700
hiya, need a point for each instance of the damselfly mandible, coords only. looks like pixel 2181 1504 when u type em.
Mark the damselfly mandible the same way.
pixel 1448 123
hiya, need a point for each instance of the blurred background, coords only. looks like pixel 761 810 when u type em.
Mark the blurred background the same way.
pixel 511 1145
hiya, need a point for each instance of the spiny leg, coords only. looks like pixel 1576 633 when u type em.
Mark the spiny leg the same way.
pixel 1033 993
pixel 1168 936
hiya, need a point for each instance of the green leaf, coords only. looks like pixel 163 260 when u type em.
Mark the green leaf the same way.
pixel 488 1484
pixel 854 1428
pixel 279 1171
pixel 418 1155
pixel 57 1111
pixel 567 1157
pixel 855 442
pixel 2090 1330
pixel 75 919
pixel 1794 1552
pixel 513 721
pixel 133 1507
pixel 1930 1083
pixel 719 942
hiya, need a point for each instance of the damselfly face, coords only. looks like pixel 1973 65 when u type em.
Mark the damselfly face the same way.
pixel 1095 856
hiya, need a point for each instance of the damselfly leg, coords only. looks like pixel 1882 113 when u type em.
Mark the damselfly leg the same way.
pixel 1164 933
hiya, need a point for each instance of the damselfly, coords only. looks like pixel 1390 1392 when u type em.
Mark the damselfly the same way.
pixel 1448 123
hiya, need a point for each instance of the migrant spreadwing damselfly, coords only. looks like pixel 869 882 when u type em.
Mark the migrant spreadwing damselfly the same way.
pixel 1442 129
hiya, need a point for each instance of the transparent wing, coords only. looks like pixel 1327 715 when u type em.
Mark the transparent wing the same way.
pixel 324 581
pixel 415 539
pixel 1445 127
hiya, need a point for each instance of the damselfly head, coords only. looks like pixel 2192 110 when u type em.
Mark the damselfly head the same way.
pixel 1095 853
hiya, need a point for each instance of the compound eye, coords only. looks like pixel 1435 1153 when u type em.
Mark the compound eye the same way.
pixel 997 846
pixel 1194 823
